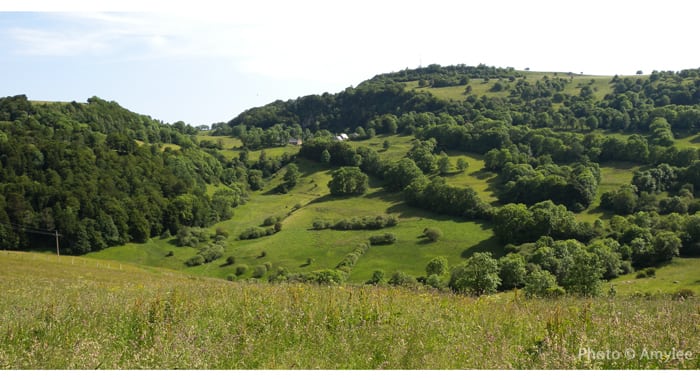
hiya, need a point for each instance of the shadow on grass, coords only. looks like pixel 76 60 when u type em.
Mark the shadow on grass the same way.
pixel 487 245
pixel 483 174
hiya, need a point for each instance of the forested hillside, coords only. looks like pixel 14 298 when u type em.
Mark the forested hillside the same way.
pixel 102 176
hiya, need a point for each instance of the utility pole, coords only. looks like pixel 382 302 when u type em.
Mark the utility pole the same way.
pixel 58 250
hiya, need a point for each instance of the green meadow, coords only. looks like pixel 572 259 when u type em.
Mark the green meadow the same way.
pixel 83 313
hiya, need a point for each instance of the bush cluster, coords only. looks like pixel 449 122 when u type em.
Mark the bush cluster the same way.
pixel 206 255
pixel 320 277
pixel 191 236
pixel 384 239
pixel 357 223
pixel 256 232
pixel 272 220
pixel 351 258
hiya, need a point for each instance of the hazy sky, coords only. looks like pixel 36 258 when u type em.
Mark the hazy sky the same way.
pixel 207 64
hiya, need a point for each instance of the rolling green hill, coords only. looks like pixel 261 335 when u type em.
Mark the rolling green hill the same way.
pixel 495 161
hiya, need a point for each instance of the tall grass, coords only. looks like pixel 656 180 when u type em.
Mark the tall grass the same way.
pixel 62 314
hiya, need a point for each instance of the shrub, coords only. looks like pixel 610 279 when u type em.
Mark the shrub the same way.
pixel 170 254
pixel 268 265
pixel 382 239
pixel 221 232
pixel 478 275
pixel 259 271
pixel 279 275
pixel 241 269
pixel 437 266
pixel 650 272
pixel 512 271
pixel 683 294
pixel 377 277
pixel 626 267
pixel 211 252
pixel 434 281
pixel 320 224
pixel 256 232
pixel 191 236
pixel 271 220
pixel 541 283
pixel 278 227
pixel 230 260
pixel 401 279
pixel 230 277
pixel 433 234
pixel 324 277
pixel 195 261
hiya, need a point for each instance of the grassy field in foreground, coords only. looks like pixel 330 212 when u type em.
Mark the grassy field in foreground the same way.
pixel 67 313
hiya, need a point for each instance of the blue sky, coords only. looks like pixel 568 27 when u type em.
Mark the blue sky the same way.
pixel 210 61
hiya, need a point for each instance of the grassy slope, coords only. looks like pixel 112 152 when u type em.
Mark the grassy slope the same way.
pixel 296 242
pixel 682 273
pixel 71 313
pixel 599 84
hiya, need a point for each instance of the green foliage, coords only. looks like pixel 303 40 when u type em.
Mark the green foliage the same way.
pixel 348 180
pixel 512 271
pixel 516 223
pixel 400 278
pixel 433 234
pixel 259 271
pixel 191 236
pixel 357 223
pixel 99 176
pixel 271 220
pixel 583 277
pixel 477 276
pixel 384 239
pixel 377 277
pixel 194 261
pixel 320 277
pixel 541 283
pixel 462 164
pixel 256 232
pixel 241 269
pixel 437 266
pixel 439 197
pixel 400 174
pixel 291 178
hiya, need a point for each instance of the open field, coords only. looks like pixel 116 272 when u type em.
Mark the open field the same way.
pixel 297 242
pixel 77 313
pixel 599 84
pixel 681 273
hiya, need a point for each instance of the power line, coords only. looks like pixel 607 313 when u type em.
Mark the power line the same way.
pixel 34 230
pixel 29 229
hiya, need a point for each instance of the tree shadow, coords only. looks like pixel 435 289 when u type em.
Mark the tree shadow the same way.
pixel 487 245
pixel 483 174
pixel 424 240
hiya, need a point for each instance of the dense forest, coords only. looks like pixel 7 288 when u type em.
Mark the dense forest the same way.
pixel 103 176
